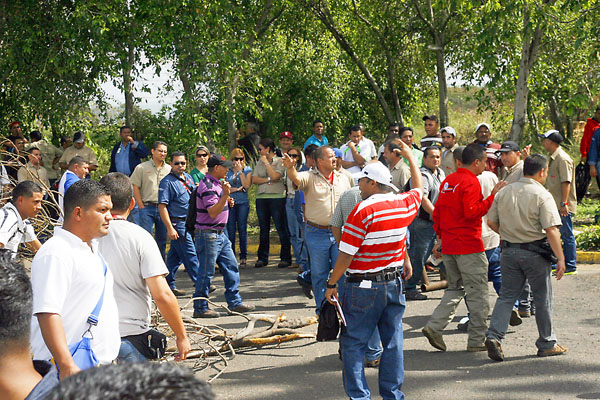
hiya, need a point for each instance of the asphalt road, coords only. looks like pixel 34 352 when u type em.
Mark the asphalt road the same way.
pixel 306 369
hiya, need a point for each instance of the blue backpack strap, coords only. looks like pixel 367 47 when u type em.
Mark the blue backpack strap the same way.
pixel 93 318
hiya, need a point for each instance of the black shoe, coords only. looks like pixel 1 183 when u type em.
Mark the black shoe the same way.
pixel 260 264
pixel 515 318
pixel 463 327
pixel 178 292
pixel 306 287
pixel 243 308
pixel 212 288
pixel 207 314
pixel 283 264
pixel 494 349
pixel 414 295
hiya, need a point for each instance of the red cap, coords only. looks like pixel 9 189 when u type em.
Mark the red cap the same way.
pixel 286 134
pixel 14 123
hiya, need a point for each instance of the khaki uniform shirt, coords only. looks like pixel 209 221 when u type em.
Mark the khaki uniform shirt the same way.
pixel 275 187
pixel 85 152
pixel 49 153
pixel 147 176
pixel 35 174
pixel 320 196
pixel 447 164
pixel 513 174
pixel 523 210
pixel 560 169
pixel 491 239
pixel 400 174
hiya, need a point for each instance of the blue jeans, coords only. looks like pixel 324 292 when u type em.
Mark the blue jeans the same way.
pixel 183 251
pixel 517 266
pixel 494 273
pixel 265 210
pixel 293 228
pixel 238 217
pixel 149 218
pixel 381 306
pixel 128 353
pixel 214 248
pixel 422 239
pixel 323 252
pixel 569 244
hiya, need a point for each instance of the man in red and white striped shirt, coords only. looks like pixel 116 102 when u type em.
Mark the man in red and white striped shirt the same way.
pixel 372 252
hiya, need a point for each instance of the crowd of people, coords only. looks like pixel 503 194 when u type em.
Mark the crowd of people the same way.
pixel 357 222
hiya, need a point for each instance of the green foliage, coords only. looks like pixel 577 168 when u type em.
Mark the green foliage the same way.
pixel 589 238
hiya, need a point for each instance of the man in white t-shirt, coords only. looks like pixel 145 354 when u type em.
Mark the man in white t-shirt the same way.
pixel 358 151
pixel 139 271
pixel 68 277
pixel 15 228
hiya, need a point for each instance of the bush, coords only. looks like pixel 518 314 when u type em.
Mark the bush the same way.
pixel 589 238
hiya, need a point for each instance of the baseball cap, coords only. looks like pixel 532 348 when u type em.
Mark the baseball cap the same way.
pixel 217 159
pixel 553 135
pixel 449 130
pixel 431 117
pixel 338 152
pixel 509 146
pixel 483 124
pixel 377 172
pixel 286 134
pixel 78 137
pixel 14 123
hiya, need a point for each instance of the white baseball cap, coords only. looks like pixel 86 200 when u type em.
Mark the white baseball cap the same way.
pixel 377 172
pixel 483 124
pixel 448 129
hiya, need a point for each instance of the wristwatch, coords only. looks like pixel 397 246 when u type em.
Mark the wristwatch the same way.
pixel 330 286
pixel 564 204
pixel 269 180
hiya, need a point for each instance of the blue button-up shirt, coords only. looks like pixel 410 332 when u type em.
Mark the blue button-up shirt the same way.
pixel 173 193
pixel 122 159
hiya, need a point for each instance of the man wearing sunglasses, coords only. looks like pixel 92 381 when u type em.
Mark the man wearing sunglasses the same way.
pixel 173 199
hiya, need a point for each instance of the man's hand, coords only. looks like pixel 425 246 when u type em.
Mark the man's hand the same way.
pixel 498 186
pixel 183 347
pixel 593 171
pixel 264 160
pixel 560 269
pixel 436 250
pixel 226 188
pixel 407 270
pixel 405 151
pixel 288 162
pixel 172 233
pixel 231 202
pixel 130 139
pixel 526 151
pixel 66 371
pixel 563 211
pixel 352 145
pixel 330 294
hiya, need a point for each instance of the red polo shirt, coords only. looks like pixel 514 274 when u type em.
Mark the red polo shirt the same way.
pixel 458 211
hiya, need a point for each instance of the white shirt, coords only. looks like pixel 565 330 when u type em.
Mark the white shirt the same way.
pixel 133 256
pixel 4 176
pixel 491 239
pixel 13 229
pixel 365 148
pixel 67 277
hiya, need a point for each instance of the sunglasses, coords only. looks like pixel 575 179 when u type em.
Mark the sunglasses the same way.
pixel 179 163
pixel 202 155
pixel 238 158
pixel 293 155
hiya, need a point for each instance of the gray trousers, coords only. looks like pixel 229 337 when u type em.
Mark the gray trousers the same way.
pixel 467 276
pixel 518 265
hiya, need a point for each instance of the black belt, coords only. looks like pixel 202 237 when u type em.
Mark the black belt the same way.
pixel 210 230
pixel 177 218
pixel 388 274
pixel 150 203
pixel 524 246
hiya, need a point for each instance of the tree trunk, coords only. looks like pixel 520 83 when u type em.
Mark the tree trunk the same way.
pixel 555 116
pixel 442 84
pixel 529 52
pixel 391 70
pixel 127 86
pixel 231 122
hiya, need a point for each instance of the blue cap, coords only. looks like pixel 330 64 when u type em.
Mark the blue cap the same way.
pixel 338 152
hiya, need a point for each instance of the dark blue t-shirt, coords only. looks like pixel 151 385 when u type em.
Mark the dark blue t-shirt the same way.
pixel 173 193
